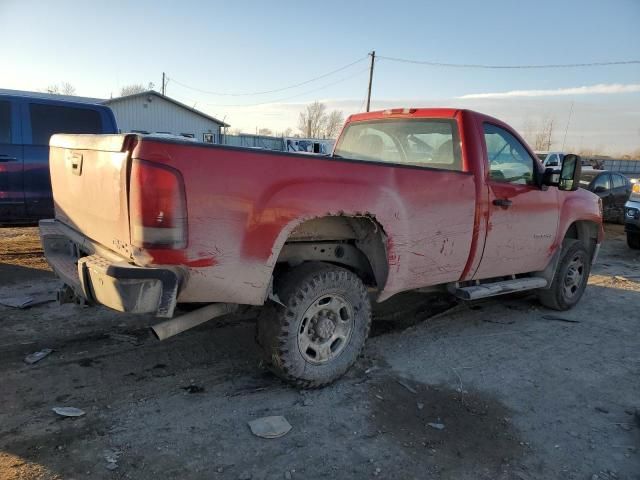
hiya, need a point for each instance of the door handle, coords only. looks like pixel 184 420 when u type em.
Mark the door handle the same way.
pixel 7 158
pixel 502 202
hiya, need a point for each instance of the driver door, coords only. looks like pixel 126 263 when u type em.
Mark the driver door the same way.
pixel 523 219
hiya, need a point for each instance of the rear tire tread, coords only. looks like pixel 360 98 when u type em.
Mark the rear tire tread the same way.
pixel 275 321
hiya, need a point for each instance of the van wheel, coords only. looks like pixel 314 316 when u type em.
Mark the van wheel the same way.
pixel 321 330
pixel 633 240
pixel 570 279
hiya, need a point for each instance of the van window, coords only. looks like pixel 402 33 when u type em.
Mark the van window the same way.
pixel 5 122
pixel 49 119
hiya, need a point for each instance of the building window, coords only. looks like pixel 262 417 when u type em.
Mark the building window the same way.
pixel 207 137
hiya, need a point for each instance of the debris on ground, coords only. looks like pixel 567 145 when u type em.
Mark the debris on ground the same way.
pixel 437 426
pixel 420 405
pixel 111 456
pixel 35 357
pixel 123 337
pixel 193 389
pixel 270 427
pixel 68 411
pixel 601 409
pixel 559 319
pixel 407 386
pixel 26 301
pixel 307 402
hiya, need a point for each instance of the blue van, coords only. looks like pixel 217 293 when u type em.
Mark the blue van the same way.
pixel 27 121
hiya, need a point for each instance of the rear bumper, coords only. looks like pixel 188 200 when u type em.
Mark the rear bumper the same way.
pixel 106 278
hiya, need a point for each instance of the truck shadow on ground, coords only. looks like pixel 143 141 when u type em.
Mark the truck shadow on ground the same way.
pixel 448 433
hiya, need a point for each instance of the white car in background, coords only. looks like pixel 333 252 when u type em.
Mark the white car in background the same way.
pixel 554 159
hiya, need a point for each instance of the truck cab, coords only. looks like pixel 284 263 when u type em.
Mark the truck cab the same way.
pixel 27 121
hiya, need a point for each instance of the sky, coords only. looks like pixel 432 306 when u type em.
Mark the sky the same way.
pixel 245 47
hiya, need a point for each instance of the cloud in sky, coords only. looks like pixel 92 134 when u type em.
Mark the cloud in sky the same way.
pixel 600 89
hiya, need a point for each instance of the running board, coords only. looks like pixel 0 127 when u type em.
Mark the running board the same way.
pixel 474 292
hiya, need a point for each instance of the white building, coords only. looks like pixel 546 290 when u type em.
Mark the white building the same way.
pixel 152 112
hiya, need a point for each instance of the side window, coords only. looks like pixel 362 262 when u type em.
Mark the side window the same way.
pixel 602 183
pixel 618 181
pixel 5 122
pixel 509 161
pixel 49 119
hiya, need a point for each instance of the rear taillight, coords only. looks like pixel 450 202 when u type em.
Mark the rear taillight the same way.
pixel 157 206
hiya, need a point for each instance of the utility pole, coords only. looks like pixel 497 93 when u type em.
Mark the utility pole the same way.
pixel 163 84
pixel 373 61
pixel 567 127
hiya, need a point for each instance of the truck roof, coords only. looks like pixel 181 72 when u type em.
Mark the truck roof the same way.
pixel 405 112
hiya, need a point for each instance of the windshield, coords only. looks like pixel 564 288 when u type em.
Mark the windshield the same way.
pixel 432 143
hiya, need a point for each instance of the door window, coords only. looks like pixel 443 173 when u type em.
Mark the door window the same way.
pixel 618 181
pixel 49 119
pixel 509 161
pixel 601 184
pixel 553 161
pixel 5 122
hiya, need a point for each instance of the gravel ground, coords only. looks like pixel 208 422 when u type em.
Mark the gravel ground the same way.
pixel 498 389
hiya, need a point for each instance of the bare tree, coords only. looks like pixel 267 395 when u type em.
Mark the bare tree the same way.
pixel 315 122
pixel 132 89
pixel 539 134
pixel 265 131
pixel 333 124
pixel 287 132
pixel 311 122
pixel 63 88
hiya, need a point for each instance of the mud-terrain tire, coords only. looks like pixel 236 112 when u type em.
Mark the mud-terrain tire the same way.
pixel 570 279
pixel 322 328
pixel 633 240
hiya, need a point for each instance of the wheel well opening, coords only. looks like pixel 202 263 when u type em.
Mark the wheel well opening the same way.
pixel 585 232
pixel 357 243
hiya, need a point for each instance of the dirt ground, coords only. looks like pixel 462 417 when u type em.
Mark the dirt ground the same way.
pixel 498 389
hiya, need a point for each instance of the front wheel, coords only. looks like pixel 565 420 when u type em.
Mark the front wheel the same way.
pixel 633 240
pixel 570 279
pixel 322 328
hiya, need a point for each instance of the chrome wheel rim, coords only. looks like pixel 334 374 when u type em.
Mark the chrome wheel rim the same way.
pixel 325 329
pixel 574 277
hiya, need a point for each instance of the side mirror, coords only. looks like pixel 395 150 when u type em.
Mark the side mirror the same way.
pixel 550 177
pixel 570 173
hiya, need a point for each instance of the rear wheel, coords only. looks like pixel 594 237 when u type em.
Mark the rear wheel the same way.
pixel 321 330
pixel 570 279
pixel 633 240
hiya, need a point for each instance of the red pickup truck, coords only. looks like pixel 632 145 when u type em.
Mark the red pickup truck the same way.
pixel 429 199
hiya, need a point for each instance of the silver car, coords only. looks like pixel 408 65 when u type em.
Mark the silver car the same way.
pixel 632 217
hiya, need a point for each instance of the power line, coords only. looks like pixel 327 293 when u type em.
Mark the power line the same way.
pixel 344 79
pixel 227 94
pixel 481 66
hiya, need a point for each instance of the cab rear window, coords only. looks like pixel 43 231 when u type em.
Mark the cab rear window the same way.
pixel 431 143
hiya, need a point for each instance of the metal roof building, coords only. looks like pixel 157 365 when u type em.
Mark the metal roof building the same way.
pixel 152 112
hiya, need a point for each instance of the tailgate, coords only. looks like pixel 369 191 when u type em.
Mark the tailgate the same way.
pixel 89 181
